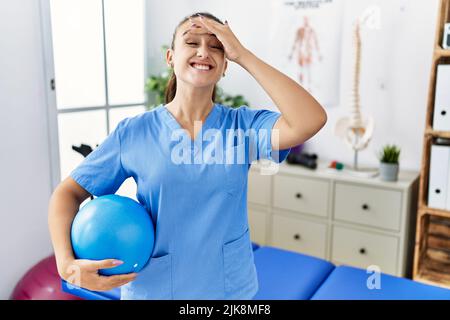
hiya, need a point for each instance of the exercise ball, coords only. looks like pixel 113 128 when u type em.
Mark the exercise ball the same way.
pixel 113 227
pixel 41 282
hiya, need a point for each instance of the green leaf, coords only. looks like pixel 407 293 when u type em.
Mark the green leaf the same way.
pixel 389 154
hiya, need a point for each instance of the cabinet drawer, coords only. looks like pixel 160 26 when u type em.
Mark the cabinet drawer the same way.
pixel 257 224
pixel 301 194
pixel 258 188
pixel 362 249
pixel 368 206
pixel 299 235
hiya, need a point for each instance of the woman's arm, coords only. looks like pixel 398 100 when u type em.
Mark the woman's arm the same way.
pixel 301 115
pixel 63 206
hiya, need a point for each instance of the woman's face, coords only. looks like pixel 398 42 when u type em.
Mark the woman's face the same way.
pixel 198 57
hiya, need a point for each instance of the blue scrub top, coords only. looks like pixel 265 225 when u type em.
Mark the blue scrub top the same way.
pixel 196 197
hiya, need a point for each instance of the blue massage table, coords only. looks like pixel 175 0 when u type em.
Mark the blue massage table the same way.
pixel 349 283
pixel 287 275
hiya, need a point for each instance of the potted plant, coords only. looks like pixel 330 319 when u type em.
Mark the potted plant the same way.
pixel 389 165
pixel 233 101
pixel 155 87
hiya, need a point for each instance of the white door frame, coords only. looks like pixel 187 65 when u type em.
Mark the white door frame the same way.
pixel 50 93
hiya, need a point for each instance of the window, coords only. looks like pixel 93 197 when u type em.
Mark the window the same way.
pixel 99 71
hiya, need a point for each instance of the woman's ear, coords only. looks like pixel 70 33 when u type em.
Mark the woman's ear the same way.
pixel 169 58
pixel 225 66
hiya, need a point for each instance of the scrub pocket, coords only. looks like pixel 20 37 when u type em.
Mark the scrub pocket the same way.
pixel 239 268
pixel 153 282
pixel 236 168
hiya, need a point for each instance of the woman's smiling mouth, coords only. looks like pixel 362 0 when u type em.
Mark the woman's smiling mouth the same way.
pixel 201 67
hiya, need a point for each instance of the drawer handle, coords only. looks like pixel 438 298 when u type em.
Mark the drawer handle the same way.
pixel 365 206
pixel 297 236
pixel 298 195
pixel 362 251
pixel 437 190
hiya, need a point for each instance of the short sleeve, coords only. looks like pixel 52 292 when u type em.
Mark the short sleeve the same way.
pixel 260 124
pixel 101 172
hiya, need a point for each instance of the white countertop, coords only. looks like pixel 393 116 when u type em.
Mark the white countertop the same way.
pixel 405 177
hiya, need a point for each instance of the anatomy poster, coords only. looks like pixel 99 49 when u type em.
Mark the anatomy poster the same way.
pixel 305 44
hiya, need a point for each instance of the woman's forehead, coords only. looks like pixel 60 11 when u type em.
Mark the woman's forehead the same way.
pixel 186 29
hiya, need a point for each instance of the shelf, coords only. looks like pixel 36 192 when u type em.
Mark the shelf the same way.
pixel 437 134
pixel 433 211
pixel 441 53
pixel 428 275
pixel 432 245
pixel 433 278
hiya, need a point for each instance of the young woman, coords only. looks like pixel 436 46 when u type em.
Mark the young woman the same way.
pixel 182 157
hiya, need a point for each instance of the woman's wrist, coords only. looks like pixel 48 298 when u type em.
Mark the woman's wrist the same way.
pixel 244 57
pixel 63 263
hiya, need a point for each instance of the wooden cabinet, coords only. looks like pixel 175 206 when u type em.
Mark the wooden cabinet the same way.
pixel 368 206
pixel 260 191
pixel 432 250
pixel 364 248
pixel 301 194
pixel 330 215
pixel 257 219
pixel 297 234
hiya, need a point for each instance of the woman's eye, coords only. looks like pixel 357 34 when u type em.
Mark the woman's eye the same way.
pixel 195 43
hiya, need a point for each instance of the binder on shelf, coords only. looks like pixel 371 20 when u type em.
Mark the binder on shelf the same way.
pixel 439 176
pixel 441 114
pixel 447 197
pixel 443 141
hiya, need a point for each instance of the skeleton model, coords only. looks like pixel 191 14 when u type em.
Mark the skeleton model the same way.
pixel 306 47
pixel 353 129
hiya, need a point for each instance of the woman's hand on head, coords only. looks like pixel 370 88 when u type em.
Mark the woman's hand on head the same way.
pixel 234 50
pixel 84 273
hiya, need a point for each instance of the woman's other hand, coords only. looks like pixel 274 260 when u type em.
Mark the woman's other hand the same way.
pixel 84 273
pixel 234 50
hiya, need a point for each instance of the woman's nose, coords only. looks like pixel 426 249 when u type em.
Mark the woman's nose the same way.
pixel 202 51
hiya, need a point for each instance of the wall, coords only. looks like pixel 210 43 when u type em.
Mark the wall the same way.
pixel 395 68
pixel 396 98
pixel 24 155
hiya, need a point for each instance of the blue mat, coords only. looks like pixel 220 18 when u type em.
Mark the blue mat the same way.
pixel 287 275
pixel 91 295
pixel 349 283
